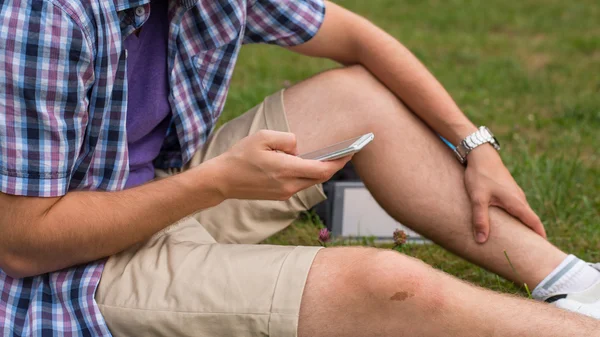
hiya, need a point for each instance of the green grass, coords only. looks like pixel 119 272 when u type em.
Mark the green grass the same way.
pixel 528 69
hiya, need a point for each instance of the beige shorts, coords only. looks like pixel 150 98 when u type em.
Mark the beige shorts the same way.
pixel 190 280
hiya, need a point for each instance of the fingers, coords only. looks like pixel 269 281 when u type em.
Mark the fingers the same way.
pixel 520 209
pixel 312 172
pixel 340 162
pixel 481 218
pixel 319 171
pixel 534 222
pixel 331 167
pixel 279 141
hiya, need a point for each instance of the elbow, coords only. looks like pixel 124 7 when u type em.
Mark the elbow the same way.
pixel 16 266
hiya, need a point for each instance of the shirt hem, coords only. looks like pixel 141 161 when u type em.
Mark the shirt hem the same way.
pixel 33 185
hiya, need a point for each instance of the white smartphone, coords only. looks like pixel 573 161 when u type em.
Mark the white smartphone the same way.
pixel 340 149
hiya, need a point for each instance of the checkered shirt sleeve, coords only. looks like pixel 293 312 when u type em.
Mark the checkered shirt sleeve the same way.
pixel 46 68
pixel 283 22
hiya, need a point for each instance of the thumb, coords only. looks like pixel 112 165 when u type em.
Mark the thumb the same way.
pixel 279 141
pixel 481 218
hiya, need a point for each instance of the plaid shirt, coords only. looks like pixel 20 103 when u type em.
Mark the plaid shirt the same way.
pixel 63 93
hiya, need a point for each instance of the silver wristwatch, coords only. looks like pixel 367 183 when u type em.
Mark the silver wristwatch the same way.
pixel 481 136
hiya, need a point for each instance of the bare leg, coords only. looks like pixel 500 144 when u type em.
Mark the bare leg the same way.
pixel 363 292
pixel 411 173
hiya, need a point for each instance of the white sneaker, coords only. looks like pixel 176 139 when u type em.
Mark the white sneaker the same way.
pixel 585 302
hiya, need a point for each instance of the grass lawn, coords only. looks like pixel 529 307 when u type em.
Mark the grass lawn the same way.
pixel 530 70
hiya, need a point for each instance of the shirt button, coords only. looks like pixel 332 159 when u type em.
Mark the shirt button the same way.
pixel 140 11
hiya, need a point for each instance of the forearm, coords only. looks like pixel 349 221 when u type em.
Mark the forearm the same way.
pixel 84 226
pixel 350 39
pixel 402 73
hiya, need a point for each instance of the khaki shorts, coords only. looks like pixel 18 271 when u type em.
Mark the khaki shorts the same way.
pixel 189 280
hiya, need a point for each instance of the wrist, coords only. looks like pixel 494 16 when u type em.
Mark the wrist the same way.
pixel 484 153
pixel 209 177
pixel 458 132
pixel 481 137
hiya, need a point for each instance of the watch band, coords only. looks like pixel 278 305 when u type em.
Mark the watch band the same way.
pixel 482 136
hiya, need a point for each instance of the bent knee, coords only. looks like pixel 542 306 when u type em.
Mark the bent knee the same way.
pixel 352 86
pixel 357 72
pixel 350 91
pixel 387 275
pixel 355 81
pixel 363 93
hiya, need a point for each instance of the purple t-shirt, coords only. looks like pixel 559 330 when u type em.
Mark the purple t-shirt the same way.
pixel 148 109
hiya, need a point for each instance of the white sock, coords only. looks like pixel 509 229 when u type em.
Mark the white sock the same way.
pixel 572 275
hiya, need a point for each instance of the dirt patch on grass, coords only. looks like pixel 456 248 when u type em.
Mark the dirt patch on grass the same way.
pixel 537 61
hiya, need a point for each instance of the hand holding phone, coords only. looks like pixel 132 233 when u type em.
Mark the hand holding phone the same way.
pixel 264 166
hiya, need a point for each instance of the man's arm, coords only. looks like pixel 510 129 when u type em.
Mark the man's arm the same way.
pixel 350 39
pixel 44 226
pixel 39 235
pixel 46 234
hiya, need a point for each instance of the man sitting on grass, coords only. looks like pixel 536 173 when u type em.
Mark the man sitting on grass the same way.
pixel 105 141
